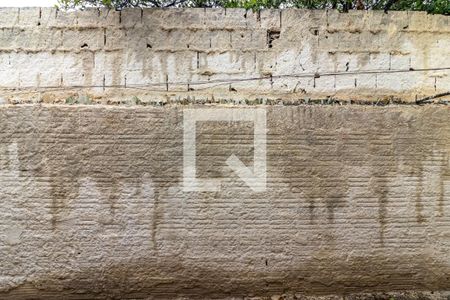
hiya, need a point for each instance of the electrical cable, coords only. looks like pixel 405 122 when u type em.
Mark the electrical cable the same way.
pixel 217 82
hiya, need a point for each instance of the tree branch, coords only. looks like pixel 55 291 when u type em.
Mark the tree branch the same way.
pixel 389 5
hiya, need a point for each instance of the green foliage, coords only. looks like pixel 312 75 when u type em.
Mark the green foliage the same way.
pixel 431 6
pixel 253 4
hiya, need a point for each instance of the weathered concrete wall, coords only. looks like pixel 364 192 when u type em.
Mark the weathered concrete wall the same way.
pixel 357 199
pixel 91 198
pixel 218 54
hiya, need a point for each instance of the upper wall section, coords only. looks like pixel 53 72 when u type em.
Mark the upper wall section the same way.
pixel 171 55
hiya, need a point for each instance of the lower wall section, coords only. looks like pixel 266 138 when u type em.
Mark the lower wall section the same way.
pixel 92 203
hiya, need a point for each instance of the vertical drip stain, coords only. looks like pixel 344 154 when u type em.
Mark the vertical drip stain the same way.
pixel 155 219
pixel 418 198
pixel 382 209
pixel 441 197
pixel 442 180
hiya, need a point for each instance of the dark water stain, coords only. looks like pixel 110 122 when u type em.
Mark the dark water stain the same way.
pixel 444 176
pixel 332 204
pixel 380 189
pixel 382 211
pixel 157 213
pixel 167 277
pixel 69 144
pixel 441 197
pixel 311 208
pixel 58 196
pixel 64 183
pixel 418 196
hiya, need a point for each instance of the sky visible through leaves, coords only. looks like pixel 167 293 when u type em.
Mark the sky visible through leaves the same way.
pixel 27 3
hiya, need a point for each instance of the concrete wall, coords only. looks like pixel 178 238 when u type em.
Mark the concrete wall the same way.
pixel 91 197
pixel 217 54
pixel 357 199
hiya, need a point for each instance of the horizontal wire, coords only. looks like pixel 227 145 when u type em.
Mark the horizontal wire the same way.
pixel 218 82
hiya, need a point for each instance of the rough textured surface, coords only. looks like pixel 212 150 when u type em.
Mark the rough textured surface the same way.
pixel 216 55
pixel 358 200
pixel 92 207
